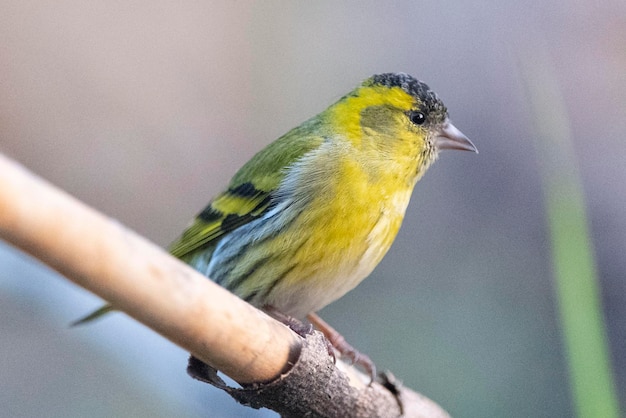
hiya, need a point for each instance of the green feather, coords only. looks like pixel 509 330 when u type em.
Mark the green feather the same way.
pixel 249 194
pixel 94 315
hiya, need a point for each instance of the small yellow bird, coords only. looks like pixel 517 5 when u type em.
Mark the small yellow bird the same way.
pixel 311 215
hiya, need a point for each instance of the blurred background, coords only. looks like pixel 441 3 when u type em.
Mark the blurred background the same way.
pixel 145 109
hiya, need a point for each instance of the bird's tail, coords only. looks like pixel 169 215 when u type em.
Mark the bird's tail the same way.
pixel 94 315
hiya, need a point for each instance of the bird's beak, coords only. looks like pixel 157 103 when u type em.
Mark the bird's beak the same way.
pixel 449 137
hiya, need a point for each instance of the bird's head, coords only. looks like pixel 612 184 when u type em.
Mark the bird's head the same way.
pixel 397 117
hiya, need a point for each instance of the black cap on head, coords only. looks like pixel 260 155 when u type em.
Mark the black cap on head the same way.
pixel 414 87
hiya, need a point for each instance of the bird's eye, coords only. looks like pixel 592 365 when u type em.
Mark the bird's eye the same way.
pixel 417 118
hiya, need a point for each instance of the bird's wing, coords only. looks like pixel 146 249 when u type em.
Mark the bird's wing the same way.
pixel 231 209
pixel 251 191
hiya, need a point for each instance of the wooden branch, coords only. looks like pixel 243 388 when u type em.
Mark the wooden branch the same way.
pixel 277 368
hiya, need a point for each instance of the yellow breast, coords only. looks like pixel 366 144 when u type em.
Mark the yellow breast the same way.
pixel 350 225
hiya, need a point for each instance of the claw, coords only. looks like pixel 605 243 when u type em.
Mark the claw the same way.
pixel 335 341
pixel 339 343
pixel 331 350
pixel 294 324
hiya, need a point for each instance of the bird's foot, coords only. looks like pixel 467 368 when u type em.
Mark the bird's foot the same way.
pixel 294 324
pixel 337 342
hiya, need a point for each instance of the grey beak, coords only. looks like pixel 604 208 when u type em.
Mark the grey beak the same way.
pixel 449 137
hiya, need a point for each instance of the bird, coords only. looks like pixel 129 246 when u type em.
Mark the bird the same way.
pixel 308 217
